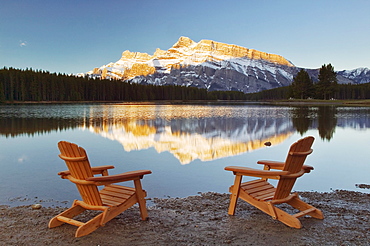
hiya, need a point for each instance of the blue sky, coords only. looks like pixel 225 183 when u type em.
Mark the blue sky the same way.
pixel 72 36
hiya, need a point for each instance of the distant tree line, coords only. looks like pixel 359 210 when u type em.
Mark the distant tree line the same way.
pixel 38 85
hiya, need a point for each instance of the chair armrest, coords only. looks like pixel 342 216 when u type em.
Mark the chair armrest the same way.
pixel 95 170
pixel 77 181
pixel 280 165
pixel 64 173
pixel 103 180
pixel 301 153
pixel 294 175
pixel 246 171
pixel 101 169
pixel 307 168
pixel 272 164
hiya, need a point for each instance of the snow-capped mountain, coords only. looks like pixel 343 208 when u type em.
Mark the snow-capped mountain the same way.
pixel 356 76
pixel 211 65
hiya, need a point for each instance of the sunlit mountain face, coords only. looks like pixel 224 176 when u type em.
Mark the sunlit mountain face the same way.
pixel 212 65
pixel 191 133
pixel 205 64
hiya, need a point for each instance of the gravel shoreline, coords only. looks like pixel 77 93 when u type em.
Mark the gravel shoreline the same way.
pixel 200 220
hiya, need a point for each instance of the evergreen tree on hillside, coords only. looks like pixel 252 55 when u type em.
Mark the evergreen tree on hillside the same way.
pixel 2 95
pixel 302 86
pixel 328 83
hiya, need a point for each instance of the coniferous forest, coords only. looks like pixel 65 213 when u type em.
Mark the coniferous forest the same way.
pixel 18 85
pixel 30 85
pixel 37 85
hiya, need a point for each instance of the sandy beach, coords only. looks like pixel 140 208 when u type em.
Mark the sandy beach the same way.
pixel 200 220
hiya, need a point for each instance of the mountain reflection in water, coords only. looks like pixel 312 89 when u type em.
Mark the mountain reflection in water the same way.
pixel 189 132
pixel 205 139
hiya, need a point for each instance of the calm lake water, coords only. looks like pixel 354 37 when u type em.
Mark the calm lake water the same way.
pixel 185 146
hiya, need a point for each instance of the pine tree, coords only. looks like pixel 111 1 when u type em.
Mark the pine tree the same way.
pixel 2 95
pixel 328 83
pixel 302 86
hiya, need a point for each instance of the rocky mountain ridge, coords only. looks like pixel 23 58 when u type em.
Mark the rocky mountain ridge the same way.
pixel 212 65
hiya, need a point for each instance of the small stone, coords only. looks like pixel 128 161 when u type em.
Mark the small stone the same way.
pixel 36 206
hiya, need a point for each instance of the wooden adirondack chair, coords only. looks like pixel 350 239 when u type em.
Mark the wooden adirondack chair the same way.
pixel 264 196
pixel 111 200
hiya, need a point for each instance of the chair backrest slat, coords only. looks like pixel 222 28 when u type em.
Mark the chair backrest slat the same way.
pixel 80 169
pixel 296 157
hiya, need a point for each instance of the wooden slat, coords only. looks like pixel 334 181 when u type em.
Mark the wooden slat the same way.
pixel 307 211
pixel 253 184
pixel 119 189
pixel 112 202
pixel 256 185
pixel 114 195
pixel 262 192
pixel 114 198
pixel 70 221
pixel 260 188
pixel 117 198
pixel 117 193
pixel 266 196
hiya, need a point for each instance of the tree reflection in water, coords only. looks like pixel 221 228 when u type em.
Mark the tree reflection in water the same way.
pixel 324 118
pixel 327 121
pixel 246 122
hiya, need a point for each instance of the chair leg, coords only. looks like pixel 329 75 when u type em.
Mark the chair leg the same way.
pixel 235 189
pixel 140 194
pixel 69 213
pixel 297 203
pixel 105 216
pixel 270 209
pixel 287 219
pixel 90 226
